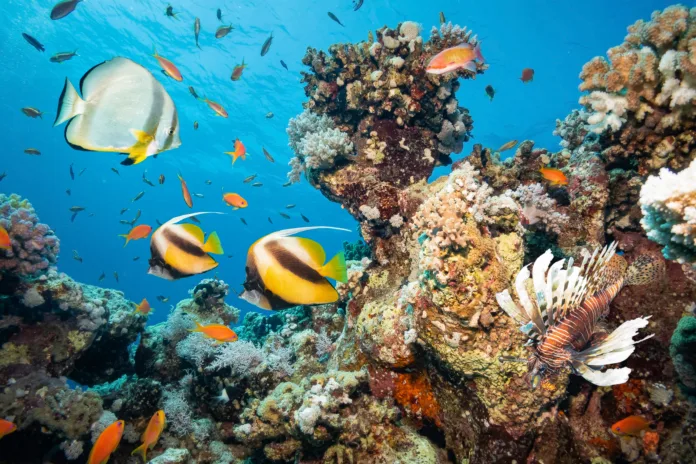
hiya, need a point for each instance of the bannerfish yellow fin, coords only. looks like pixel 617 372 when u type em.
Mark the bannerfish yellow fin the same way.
pixel 213 245
pixel 335 269
pixel 69 105
pixel 179 260
pixel 313 249
pixel 141 149
pixel 194 230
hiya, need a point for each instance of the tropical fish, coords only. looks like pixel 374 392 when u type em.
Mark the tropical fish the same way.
pixel 76 256
pixel 128 112
pixel 283 271
pixel 304 218
pixel 631 425
pixel 442 18
pixel 137 233
pixel 269 115
pixel 222 31
pixel 136 258
pixel 257 184
pixel 357 4
pixel 250 178
pixel 179 250
pixel 162 298
pixel 554 176
pixel 199 195
pixel 219 14
pixel 561 318
pixel 6 427
pixel 161 179
pixel 270 220
pixel 63 8
pixel 77 209
pixel 218 332
pixel 138 197
pixel 282 63
pixel 3 175
pixel 527 75
pixel 224 397
pixel 267 45
pixel 72 173
pixel 235 200
pixel 124 222
pixel 333 17
pixel 286 216
pixel 81 172
pixel 151 434
pixel 239 151
pixel 146 180
pixel 32 112
pixel 5 242
pixel 123 211
pixel 143 308
pixel 219 110
pixel 68 192
pixel 114 170
pixel 243 221
pixel 490 91
pixel 106 443
pixel 195 125
pixel 267 155
pixel 169 11
pixel 287 184
pixel 116 276
pixel 62 56
pixel 193 92
pixel 33 42
pixel 462 56
pixel 197 30
pixel 185 192
pixel 507 145
pixel 291 206
pixel 102 276
pixel 32 151
pixel 168 68
pixel 208 182
pixel 237 71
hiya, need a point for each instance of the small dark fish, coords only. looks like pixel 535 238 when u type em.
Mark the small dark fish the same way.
pixel 291 206
pixel 32 151
pixel 282 63
pixel 170 12
pixel 124 222
pixel 146 180
pixel 269 220
pixel 286 216
pixel 81 172
pixel 257 184
pixel 102 277
pixel 219 14
pixel 33 42
pixel 77 209
pixel 158 222
pixel 357 4
pixel 62 56
pixel 442 18
pixel 68 192
pixel 269 115
pixel 72 218
pixel 287 184
pixel 333 16
pixel 195 125
pixel 32 112
pixel 197 30
pixel 63 8
pixel 114 170
pixel 162 298
pixel 266 45
pixel 490 91
pixel 222 31
pixel 138 197
pixel 136 258
pixel 123 211
pixel 195 219
pixel 72 173
pixel 76 256
pixel 267 155
pixel 91 214
pixel 243 221
pixel 161 179
pixel 116 276
pixel 193 92
pixel 304 218
pixel 199 195
pixel 250 178
pixel 137 216
pixel 230 256
pixel 3 175
pixel 208 182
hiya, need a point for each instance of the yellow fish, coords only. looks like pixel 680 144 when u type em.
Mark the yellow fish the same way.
pixel 151 434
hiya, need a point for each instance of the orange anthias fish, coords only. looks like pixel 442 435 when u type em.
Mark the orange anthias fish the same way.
pixel 527 75
pixel 185 192
pixel 632 425
pixel 218 332
pixel 137 233
pixel 235 200
pixel 106 443
pixel 239 151
pixel 237 71
pixel 5 243
pixel 143 308
pixel 462 56
pixel 219 110
pixel 6 427
pixel 151 434
pixel 168 68
pixel 554 176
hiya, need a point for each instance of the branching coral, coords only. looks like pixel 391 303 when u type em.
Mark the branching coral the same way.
pixel 538 207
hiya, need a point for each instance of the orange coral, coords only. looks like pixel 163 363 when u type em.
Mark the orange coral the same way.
pixel 414 393
pixel 650 442
pixel 607 446
pixel 628 394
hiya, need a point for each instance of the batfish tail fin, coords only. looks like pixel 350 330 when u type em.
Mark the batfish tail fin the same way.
pixel 69 104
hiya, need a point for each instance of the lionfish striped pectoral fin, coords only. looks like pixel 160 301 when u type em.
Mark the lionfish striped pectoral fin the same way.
pixel 615 348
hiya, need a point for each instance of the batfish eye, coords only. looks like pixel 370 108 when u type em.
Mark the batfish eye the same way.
pixel 170 132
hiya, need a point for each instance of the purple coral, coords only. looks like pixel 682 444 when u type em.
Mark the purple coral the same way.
pixel 34 245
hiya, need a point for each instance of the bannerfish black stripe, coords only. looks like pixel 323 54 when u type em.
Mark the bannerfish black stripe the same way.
pixel 182 244
pixel 254 283
pixel 290 262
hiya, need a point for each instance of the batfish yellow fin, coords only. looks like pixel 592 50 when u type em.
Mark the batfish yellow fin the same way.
pixel 213 244
pixel 315 251
pixel 194 230
pixel 69 105
pixel 139 151
pixel 335 269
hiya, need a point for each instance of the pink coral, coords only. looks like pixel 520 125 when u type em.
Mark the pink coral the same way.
pixel 34 245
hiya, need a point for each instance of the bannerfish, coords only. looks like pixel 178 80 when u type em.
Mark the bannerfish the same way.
pixel 283 271
pixel 137 233
pixel 333 17
pixel 143 308
pixel 269 115
pixel 197 30
pixel 180 250
pixel 125 110
pixel 554 176
pixel 527 75
pixel 235 200
pixel 237 71
pixel 304 218
pixel 169 11
pixel 507 145
pixel 32 112
pixel 250 178
pixel 151 434
pixel 218 332
pixel 106 443
pixel 631 425
pixel 219 110
pixel 62 56
pixel 193 92
pixel 267 155
pixel 222 31
pixel 490 91
pixel 63 8
pixel 561 317
pixel 5 242
pixel 282 63
pixel 168 68
pixel 267 45
pixel 185 192
pixel 32 151
pixel 463 56
pixel 6 427
pixel 239 151
pixel 33 42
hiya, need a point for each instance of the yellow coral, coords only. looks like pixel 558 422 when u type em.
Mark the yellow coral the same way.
pixel 13 354
pixel 78 340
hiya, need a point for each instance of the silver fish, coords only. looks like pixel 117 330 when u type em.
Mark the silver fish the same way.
pixel 197 30
pixel 62 56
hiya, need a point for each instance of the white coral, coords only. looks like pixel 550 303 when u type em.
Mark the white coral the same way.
pixel 370 212
pixel 608 111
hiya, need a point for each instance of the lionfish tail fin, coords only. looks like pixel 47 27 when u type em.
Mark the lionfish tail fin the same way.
pixel 602 378
pixel 646 269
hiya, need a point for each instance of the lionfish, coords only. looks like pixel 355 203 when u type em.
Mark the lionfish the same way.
pixel 562 319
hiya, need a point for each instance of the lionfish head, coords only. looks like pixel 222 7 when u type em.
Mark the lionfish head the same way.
pixel 536 369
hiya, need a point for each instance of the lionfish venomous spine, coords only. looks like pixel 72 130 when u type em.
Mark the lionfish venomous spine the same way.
pixel 569 301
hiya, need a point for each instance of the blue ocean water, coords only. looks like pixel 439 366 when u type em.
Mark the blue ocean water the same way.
pixel 553 38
